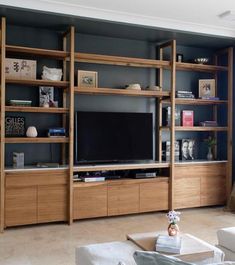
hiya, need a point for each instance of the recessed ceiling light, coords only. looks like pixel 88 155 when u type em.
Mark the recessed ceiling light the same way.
pixel 228 15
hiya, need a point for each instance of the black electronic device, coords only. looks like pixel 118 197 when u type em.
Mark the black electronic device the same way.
pixel 113 137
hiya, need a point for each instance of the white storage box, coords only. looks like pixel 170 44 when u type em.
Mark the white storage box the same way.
pixel 20 68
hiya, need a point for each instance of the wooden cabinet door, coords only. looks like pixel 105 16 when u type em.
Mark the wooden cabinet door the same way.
pixel 52 203
pixel 187 192
pixel 21 206
pixel 154 196
pixel 90 200
pixel 123 199
pixel 213 190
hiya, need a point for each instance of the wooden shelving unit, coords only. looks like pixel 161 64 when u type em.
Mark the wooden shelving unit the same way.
pixel 56 54
pixel 181 101
pixel 121 92
pixel 200 67
pixel 36 109
pixel 36 140
pixel 183 184
pixel 196 129
pixel 120 166
pixel 39 82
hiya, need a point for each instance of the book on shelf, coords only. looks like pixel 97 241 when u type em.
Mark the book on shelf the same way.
pixel 20 103
pixel 166 150
pixel 168 244
pixel 210 98
pixel 166 116
pixel 188 96
pixel 184 92
pixel 208 123
pixel 187 118
pixel 47 165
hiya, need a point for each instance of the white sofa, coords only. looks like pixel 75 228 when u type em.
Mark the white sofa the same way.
pixel 113 253
pixel 226 242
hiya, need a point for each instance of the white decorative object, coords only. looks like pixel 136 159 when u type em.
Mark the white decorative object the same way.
pixel 31 131
pixel 53 74
pixel 46 105
pixel 134 86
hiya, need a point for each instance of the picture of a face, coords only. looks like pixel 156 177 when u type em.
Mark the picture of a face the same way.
pixel 191 149
pixel 206 89
pixel 185 150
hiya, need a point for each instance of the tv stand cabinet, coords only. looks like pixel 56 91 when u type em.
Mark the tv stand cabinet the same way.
pixel 119 197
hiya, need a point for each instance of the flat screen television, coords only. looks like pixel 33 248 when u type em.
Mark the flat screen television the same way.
pixel 113 136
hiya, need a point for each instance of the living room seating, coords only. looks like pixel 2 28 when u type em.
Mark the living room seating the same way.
pixel 113 253
pixel 226 242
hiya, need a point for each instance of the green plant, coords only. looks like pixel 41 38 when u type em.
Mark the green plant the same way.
pixel 210 141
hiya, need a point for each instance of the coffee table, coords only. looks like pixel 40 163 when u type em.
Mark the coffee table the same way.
pixel 192 248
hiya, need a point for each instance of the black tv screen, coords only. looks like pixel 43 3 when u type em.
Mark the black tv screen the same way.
pixel 113 136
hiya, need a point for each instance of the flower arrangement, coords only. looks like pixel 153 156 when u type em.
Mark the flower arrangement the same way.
pixel 210 141
pixel 173 217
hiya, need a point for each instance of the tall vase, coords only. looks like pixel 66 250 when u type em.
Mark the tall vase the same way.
pixel 173 229
pixel 209 154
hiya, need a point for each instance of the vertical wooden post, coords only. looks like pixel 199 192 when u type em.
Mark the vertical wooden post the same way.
pixel 2 143
pixel 160 110
pixel 64 118
pixel 215 107
pixel 71 123
pixel 230 123
pixel 172 157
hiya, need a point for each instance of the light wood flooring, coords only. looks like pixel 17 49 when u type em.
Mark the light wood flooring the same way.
pixel 54 244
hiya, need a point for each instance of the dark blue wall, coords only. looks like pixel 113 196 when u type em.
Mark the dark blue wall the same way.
pixel 108 76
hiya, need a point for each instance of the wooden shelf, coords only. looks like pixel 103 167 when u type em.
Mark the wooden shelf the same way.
pixel 121 61
pixel 123 92
pixel 200 67
pixel 85 168
pixel 182 101
pixel 35 51
pixel 38 82
pixel 36 109
pixel 197 128
pixel 36 140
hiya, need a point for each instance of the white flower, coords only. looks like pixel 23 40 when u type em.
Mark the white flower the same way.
pixel 173 216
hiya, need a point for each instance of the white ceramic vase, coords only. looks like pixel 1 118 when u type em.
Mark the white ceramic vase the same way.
pixel 31 132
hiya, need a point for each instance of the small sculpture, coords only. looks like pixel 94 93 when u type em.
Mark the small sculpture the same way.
pixel 31 132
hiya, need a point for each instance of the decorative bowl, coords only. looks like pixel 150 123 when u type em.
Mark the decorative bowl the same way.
pixel 201 60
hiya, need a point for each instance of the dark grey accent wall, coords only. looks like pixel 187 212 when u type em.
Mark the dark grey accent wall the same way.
pixel 108 76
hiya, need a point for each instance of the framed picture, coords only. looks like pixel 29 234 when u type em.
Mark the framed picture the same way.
pixel 46 96
pixel 87 79
pixel 14 126
pixel 206 88
pixel 188 149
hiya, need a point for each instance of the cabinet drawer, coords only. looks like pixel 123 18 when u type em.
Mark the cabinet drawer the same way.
pixel 52 203
pixel 187 192
pixel 153 196
pixel 21 206
pixel 25 179
pixel 213 190
pixel 90 201
pixel 123 199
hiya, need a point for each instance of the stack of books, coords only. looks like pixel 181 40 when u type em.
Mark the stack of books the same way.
pixel 208 123
pixel 168 244
pixel 184 94
pixel 56 132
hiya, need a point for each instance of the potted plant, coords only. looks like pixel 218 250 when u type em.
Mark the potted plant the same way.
pixel 211 142
pixel 173 219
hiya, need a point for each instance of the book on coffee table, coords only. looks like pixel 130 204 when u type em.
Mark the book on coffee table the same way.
pixel 168 244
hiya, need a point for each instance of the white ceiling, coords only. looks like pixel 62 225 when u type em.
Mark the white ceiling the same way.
pixel 200 16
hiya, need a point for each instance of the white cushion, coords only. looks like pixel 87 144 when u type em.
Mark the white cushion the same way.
pixel 106 254
pixel 226 238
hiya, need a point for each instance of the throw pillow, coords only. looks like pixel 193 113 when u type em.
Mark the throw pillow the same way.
pixel 154 258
